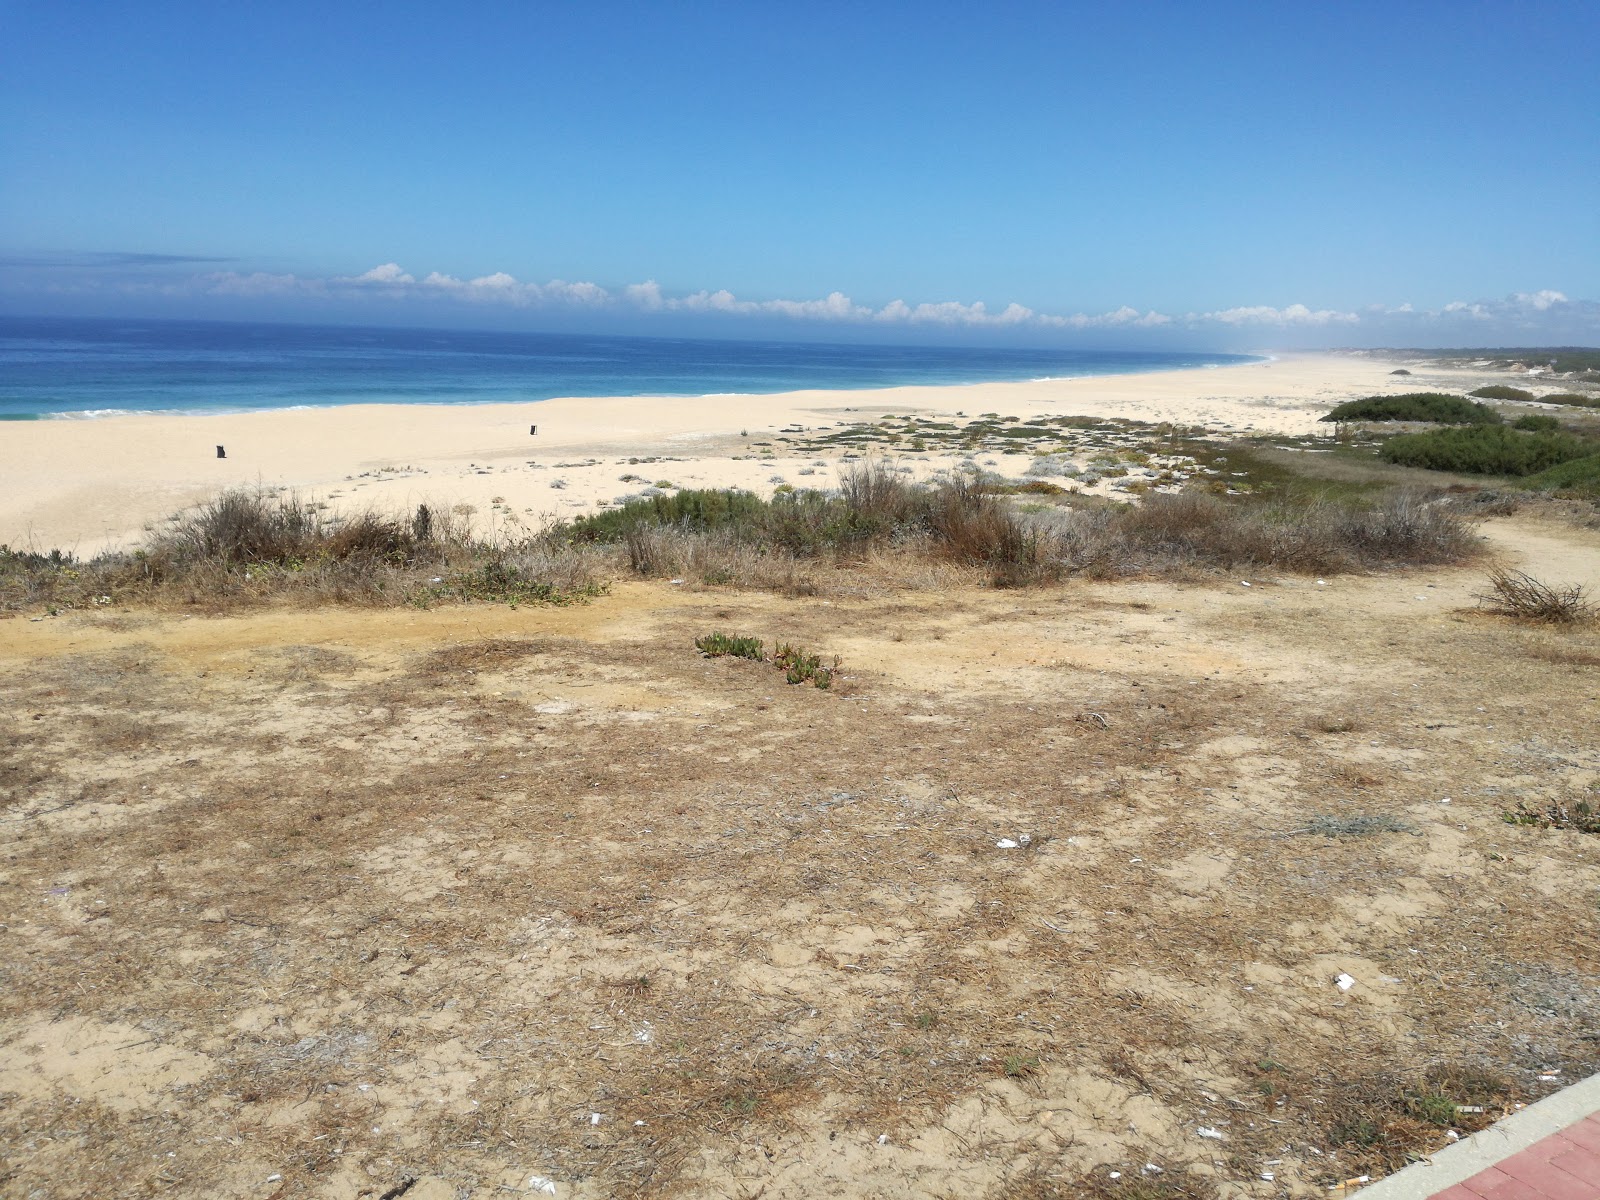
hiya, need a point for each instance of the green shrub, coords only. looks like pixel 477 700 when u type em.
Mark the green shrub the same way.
pixel 496 581
pixel 1536 423
pixel 1571 399
pixel 1499 391
pixel 1439 407
pixel 692 508
pixel 1485 450
pixel 1578 475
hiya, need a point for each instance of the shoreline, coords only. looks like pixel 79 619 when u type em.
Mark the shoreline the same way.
pixel 98 414
pixel 88 485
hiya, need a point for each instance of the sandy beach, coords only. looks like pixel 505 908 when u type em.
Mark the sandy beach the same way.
pixel 88 485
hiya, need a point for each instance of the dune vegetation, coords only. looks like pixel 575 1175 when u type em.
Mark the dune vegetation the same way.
pixel 1486 450
pixel 252 547
pixel 1437 407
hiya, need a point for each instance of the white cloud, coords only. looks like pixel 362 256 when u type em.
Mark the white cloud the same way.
pixel 1529 312
pixel 646 295
pixel 1263 314
pixel 1538 301
pixel 388 273
pixel 1124 316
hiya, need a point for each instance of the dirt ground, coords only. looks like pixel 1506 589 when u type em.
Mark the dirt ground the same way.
pixel 1053 884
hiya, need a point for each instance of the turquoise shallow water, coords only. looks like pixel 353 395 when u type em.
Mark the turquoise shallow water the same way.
pixel 54 367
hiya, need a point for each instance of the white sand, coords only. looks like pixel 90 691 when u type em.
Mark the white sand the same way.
pixel 85 485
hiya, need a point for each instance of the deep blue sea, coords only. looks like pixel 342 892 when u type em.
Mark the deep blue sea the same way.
pixel 58 367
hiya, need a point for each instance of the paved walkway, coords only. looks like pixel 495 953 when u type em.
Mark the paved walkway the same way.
pixel 1547 1151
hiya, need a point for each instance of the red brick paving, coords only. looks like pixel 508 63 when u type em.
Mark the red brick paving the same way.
pixel 1564 1166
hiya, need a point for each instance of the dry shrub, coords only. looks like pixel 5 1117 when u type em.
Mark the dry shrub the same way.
pixel 252 547
pixel 1564 654
pixel 1193 531
pixel 715 557
pixel 873 489
pixel 1518 595
pixel 255 546
pixel 969 525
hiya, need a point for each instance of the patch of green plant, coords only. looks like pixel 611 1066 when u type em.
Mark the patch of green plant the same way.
pixel 1356 1131
pixel 1485 450
pixel 691 508
pixel 1563 359
pixel 1580 815
pixel 1441 408
pixel 1020 1066
pixel 800 667
pixel 1500 391
pixel 1571 399
pixel 717 645
pixel 1031 487
pixel 500 582
pixel 1437 1098
pixel 1536 423
pixel 1580 476
pixel 741 1104
pixel 1433 1107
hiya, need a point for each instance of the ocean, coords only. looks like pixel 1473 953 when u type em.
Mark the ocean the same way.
pixel 62 367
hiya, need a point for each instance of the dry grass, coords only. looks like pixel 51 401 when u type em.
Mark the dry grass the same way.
pixel 251 548
pixel 421 906
pixel 961 521
pixel 1518 595
pixel 1193 532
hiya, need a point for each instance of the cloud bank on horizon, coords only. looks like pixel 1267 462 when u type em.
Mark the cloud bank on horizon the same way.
pixel 1540 315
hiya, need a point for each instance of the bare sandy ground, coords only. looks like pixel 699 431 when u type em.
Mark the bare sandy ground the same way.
pixel 87 485
pixel 319 903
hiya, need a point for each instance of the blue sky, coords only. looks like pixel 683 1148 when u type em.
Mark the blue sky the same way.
pixel 1230 175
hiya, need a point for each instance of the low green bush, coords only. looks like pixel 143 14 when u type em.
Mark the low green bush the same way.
pixel 1571 399
pixel 1577 475
pixel 1499 391
pixel 1536 423
pixel 1485 450
pixel 1439 407
pixel 692 508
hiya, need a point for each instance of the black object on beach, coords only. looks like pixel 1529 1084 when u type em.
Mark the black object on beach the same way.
pixel 221 453
pixel 532 430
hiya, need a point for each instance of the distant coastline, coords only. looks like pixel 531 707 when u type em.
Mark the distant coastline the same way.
pixel 82 369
